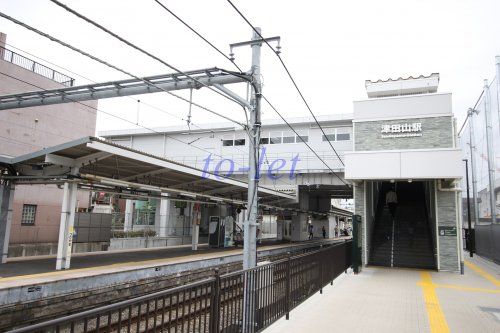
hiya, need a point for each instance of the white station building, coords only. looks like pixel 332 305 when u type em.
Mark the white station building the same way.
pixel 402 137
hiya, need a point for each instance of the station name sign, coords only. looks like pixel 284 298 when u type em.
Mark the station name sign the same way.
pixel 405 130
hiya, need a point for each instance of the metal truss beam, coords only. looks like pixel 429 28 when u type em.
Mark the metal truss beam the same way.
pixel 158 83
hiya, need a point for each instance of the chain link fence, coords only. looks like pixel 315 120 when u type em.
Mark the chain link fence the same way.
pixel 480 143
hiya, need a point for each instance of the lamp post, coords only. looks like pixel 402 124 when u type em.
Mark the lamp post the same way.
pixel 470 239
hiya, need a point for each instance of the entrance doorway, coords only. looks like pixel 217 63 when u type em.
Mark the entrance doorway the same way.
pixel 405 237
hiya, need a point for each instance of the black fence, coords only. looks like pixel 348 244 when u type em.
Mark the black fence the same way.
pixel 486 242
pixel 26 63
pixel 270 291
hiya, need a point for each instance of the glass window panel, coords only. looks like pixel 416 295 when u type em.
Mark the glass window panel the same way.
pixel 305 138
pixel 343 137
pixel 275 138
pixel 288 137
pixel 264 141
pixel 329 137
pixel 239 142
pixel 28 214
pixel 227 143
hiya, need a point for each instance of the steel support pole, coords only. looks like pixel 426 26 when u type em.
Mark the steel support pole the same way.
pixel 472 139
pixel 470 238
pixel 250 228
pixel 490 151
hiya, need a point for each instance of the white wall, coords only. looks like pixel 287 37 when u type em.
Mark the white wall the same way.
pixel 403 107
pixel 171 146
pixel 404 164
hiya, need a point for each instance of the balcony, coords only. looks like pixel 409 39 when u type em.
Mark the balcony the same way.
pixel 35 67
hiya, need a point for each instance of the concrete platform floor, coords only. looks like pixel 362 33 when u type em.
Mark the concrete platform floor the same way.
pixel 25 271
pixel 403 300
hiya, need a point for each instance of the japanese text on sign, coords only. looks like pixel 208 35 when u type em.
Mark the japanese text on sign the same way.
pixel 401 130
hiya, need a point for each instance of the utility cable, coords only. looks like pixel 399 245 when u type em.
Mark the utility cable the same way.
pixel 198 34
pixel 110 65
pixel 132 45
pixel 290 126
pixel 293 129
pixel 130 97
pixel 127 121
pixel 289 75
pixel 117 117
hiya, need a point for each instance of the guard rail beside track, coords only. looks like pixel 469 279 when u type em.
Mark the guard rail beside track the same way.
pixel 217 304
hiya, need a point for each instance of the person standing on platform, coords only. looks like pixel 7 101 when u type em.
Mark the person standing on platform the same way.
pixel 391 200
pixel 310 229
pixel 323 230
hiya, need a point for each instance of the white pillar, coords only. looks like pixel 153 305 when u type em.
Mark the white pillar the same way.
pixel 6 201
pixel 62 227
pixel 70 222
pixel 196 220
pixel 66 225
pixel 164 212
pixel 195 231
pixel 129 210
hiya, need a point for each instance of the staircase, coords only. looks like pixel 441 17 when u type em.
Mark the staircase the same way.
pixel 405 241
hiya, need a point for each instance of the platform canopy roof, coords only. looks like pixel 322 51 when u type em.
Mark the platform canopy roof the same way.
pixel 101 165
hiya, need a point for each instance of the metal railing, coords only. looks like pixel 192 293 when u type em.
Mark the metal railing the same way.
pixel 31 65
pixel 216 304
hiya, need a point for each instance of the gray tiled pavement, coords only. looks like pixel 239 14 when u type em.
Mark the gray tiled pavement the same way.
pixel 392 300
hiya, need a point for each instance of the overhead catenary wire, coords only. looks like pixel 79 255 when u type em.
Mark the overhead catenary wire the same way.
pixel 229 72
pixel 197 33
pixel 125 120
pixel 299 136
pixel 467 118
pixel 146 52
pixel 296 133
pixel 132 45
pixel 289 75
pixel 117 117
pixel 129 97
pixel 54 39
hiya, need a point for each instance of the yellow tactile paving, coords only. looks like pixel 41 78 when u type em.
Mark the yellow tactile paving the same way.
pixel 437 320
pixel 483 273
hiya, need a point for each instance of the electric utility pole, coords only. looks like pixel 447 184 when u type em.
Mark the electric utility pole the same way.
pixel 250 227
pixel 250 224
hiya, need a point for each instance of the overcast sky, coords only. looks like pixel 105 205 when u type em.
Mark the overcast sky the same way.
pixel 331 48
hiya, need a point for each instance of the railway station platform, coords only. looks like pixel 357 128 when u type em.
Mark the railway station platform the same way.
pixel 403 300
pixel 26 280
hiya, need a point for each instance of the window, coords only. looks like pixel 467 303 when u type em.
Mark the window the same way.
pixel 302 134
pixel 305 138
pixel 329 137
pixel 288 137
pixel 28 215
pixel 239 142
pixel 264 141
pixel 228 140
pixel 343 134
pixel 275 138
pixel 343 137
